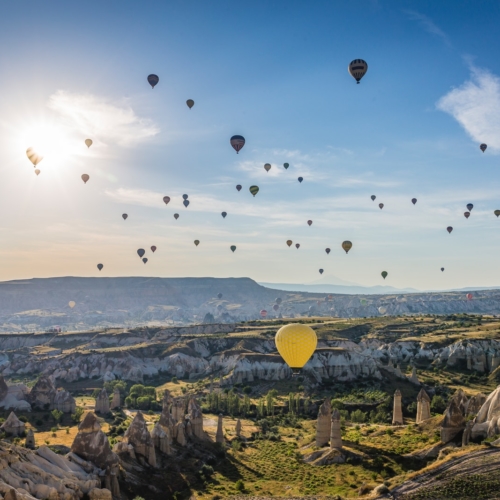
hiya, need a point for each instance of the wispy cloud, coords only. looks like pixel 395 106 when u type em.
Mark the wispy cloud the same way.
pixel 429 25
pixel 476 106
pixel 104 121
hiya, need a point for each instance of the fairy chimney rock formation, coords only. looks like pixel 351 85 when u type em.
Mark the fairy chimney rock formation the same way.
pixel 178 409
pixel 467 433
pixel 64 401
pixel 116 401
pixel 180 433
pixel 30 440
pixel 4 389
pixel 102 403
pixel 335 433
pixel 454 421
pixel 13 425
pixel 161 438
pixel 397 415
pixel 219 437
pixel 139 437
pixel 487 421
pixel 323 424
pixel 423 406
pixel 414 378
pixel 44 396
pixel 237 428
pixel 92 444
pixel 196 419
pixel 167 400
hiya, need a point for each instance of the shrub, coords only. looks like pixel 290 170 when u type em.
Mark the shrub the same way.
pixel 239 485
pixel 174 380
pixel 438 404
pixel 56 415
pixel 23 418
pixel 247 390
pixel 77 416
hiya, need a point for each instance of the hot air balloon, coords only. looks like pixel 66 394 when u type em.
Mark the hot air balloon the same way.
pixel 382 310
pixel 141 252
pixel 414 200
pixel 276 307
pixel 346 245
pixel 300 179
pixel 144 260
pixel 263 313
pixel 37 171
pixel 373 197
pixel 470 206
pixel 469 296
pixel 219 307
pixel 442 269
pixel 289 242
pixel 467 215
pixel 483 147
pixel 166 200
pixel 88 142
pixel 309 222
pixel 196 242
pixel 176 216
pixel 153 249
pixel 296 343
pixel 223 214
pixel 449 229
pixel 186 203
pixel 286 165
pixel 185 196
pixel 85 178
pixel 357 69
pixel 233 248
pixel 125 216
pixel 327 250
pixel 278 300
pixel 153 80
pixel 99 266
pixel 381 206
pixel 71 304
pixel 384 274
pixel 237 141
pixel 267 167
pixel 497 212
pixel 297 245
pixel 190 103
pixel 254 189
pixel 321 271
pixel 219 296
pixel 33 156
pixel 238 187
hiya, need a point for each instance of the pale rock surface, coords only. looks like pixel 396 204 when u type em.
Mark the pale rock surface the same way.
pixel 196 419
pixel 116 401
pixel 30 440
pixel 178 409
pixel 102 403
pixel 139 437
pixel 323 424
pixel 423 406
pixel 453 422
pixel 397 414
pixel 487 421
pixel 335 431
pixel 414 378
pixel 179 431
pixel 13 425
pixel 237 428
pixel 219 436
pixel 161 439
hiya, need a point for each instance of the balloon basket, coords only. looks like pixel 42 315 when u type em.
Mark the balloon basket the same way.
pixel 295 372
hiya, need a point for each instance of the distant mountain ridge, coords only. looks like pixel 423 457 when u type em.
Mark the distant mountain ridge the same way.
pixel 342 289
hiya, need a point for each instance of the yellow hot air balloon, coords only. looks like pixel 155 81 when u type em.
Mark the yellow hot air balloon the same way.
pixel 33 156
pixel 346 245
pixel 296 344
pixel 71 304
pixel 88 142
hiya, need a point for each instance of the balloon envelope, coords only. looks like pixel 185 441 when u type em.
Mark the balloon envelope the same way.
pixel 346 245
pixel 233 248
pixel 276 307
pixel 37 171
pixel 300 179
pixel 144 260
pixel 186 203
pixel 297 245
pixel 224 215
pixel 327 250
pixel 289 242
pixel 296 344
pixel 33 156
pixel 449 229
pixel 497 212
pixel 384 274
pixel 321 271
pixel 278 300
pixel 263 313
pixel 190 103
pixel 466 215
pixel 373 197
pixel 185 196
pixel 414 200
pixel 470 206
pixel 153 249
pixel 442 269
pixel 219 296
pixel 176 216
pixel 254 189
pixel 196 242
pixel 357 69
pixel 99 266
pixel 469 296
pixel 309 222
pixel 381 206
pixel 237 142
pixel 141 252
pixel 153 80
pixel 238 187
pixel 166 200
pixel 483 147
pixel 85 178
pixel 267 166
pixel 382 310
pixel 88 142
pixel 125 216
pixel 286 165
pixel 71 304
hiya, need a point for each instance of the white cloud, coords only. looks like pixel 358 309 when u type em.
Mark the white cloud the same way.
pixel 428 25
pixel 102 120
pixel 476 106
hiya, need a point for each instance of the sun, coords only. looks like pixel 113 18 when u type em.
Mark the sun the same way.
pixel 54 141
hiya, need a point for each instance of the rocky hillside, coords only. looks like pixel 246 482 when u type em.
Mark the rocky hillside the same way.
pixel 41 304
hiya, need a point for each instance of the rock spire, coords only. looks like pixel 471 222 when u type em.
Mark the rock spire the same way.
pixel 323 424
pixel 335 432
pixel 219 437
pixel 423 406
pixel 102 403
pixel 397 415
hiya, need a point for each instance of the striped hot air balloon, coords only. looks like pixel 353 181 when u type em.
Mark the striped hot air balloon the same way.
pixel 237 142
pixel 254 190
pixel 357 69
pixel 33 156
pixel 346 245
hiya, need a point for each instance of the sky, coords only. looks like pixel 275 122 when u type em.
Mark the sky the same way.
pixel 276 73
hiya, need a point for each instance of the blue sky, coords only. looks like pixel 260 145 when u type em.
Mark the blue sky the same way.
pixel 275 72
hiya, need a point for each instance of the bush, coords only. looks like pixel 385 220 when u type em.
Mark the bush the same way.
pixel 174 380
pixel 239 485
pixel 247 390
pixel 77 416
pixel 438 404
pixel 23 418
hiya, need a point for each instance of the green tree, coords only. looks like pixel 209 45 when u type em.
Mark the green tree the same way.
pixel 56 415
pixel 438 404
pixel 136 391
pixel 358 417
pixel 77 416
